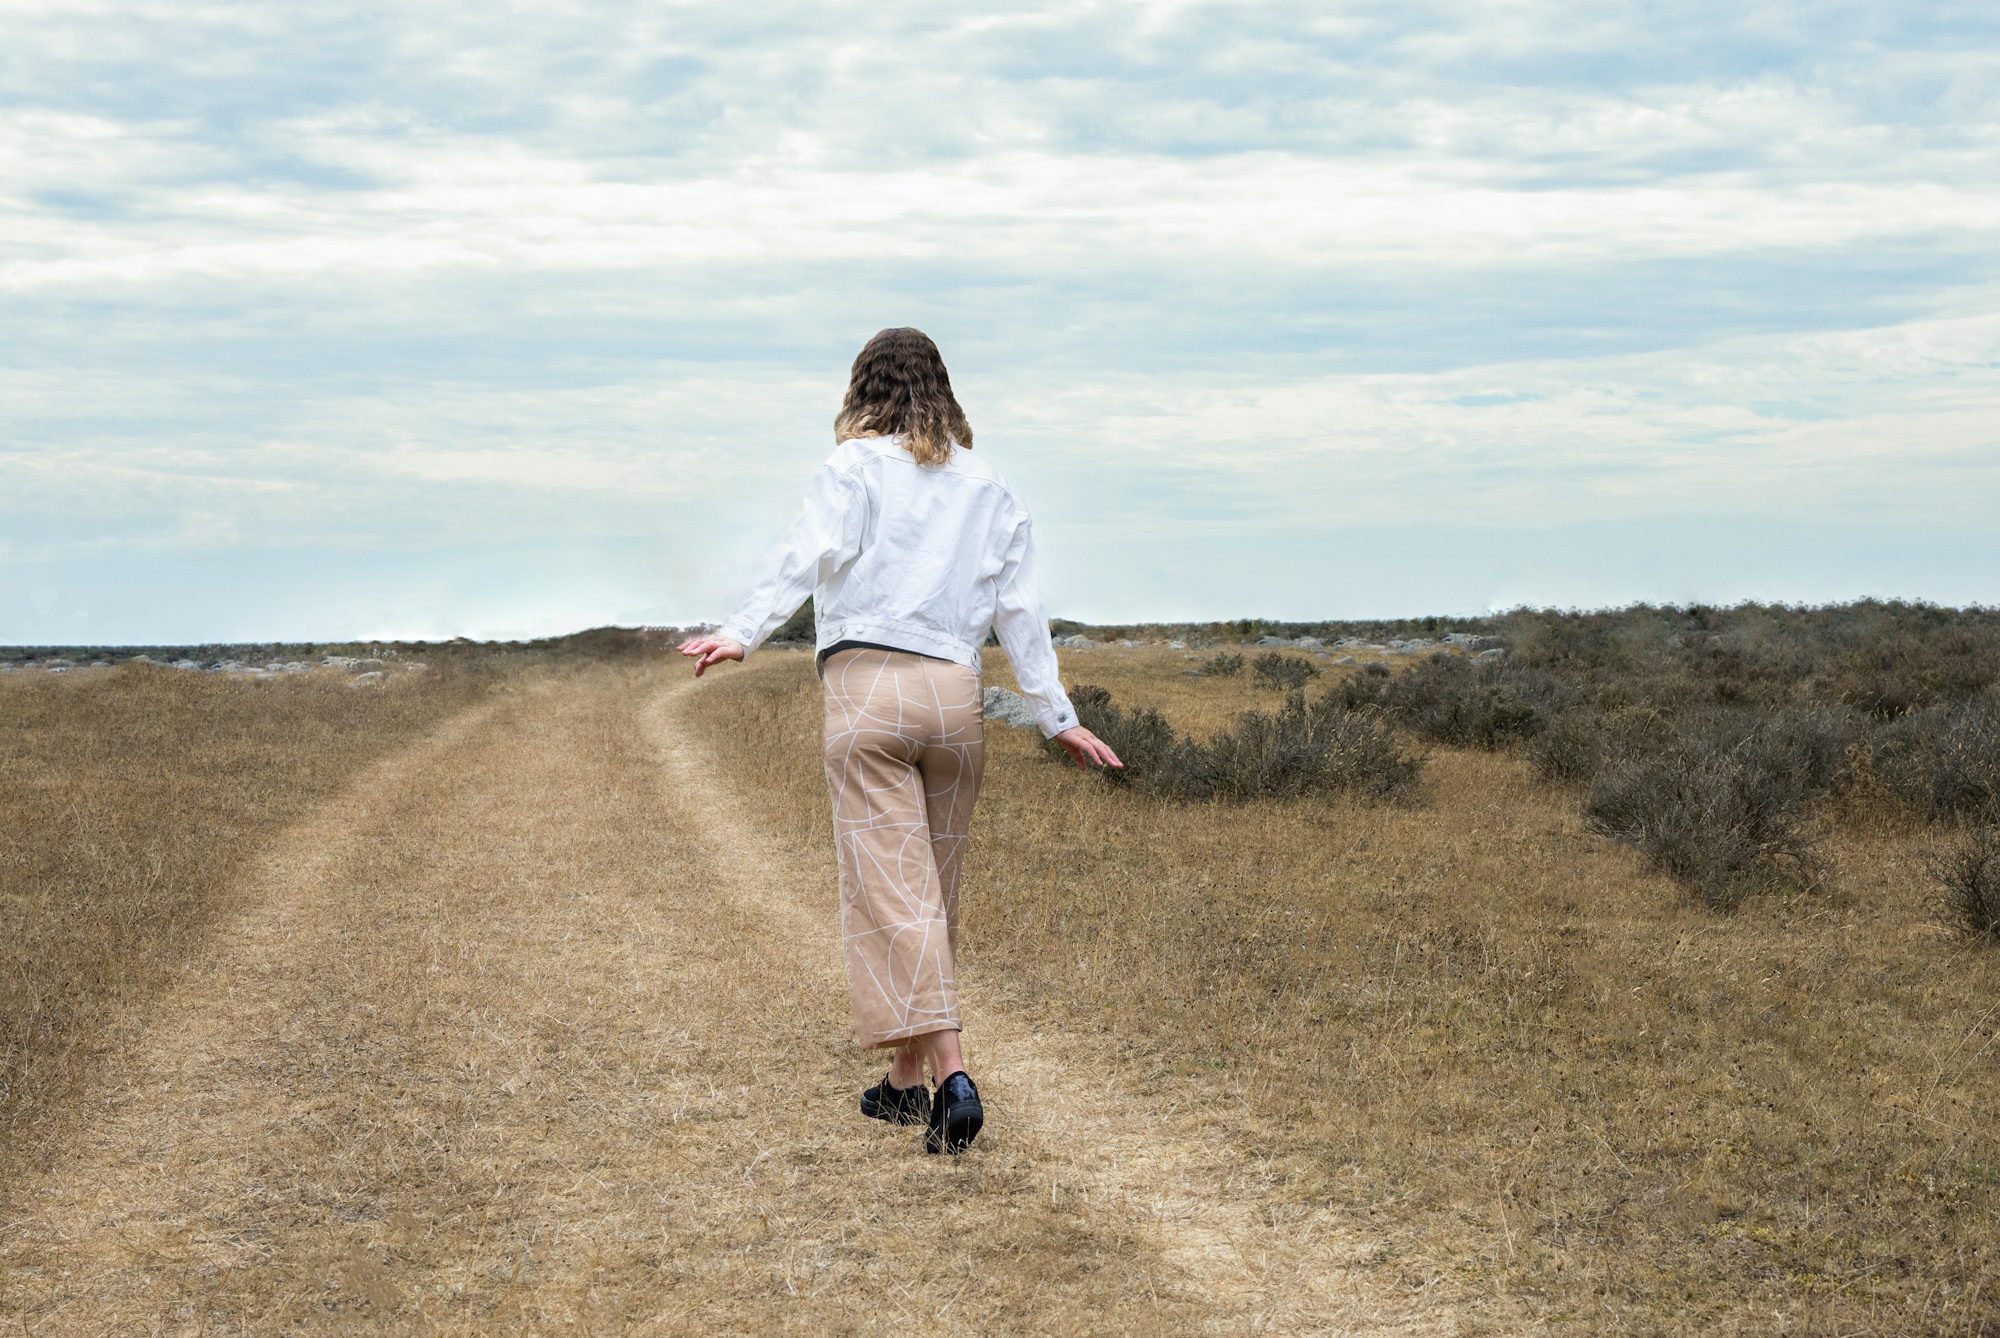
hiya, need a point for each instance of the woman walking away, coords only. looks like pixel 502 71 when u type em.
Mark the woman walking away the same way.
pixel 911 550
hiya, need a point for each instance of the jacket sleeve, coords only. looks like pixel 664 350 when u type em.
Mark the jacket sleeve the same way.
pixel 1023 630
pixel 824 537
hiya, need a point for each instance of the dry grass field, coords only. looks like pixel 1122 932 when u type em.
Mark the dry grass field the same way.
pixel 129 797
pixel 514 1004
pixel 1557 1091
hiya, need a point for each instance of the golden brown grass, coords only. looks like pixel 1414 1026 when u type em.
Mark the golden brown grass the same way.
pixel 128 797
pixel 1564 1095
pixel 536 1022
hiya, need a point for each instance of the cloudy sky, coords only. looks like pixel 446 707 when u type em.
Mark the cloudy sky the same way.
pixel 327 320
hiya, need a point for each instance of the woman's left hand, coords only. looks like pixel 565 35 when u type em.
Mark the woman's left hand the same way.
pixel 711 651
pixel 1085 748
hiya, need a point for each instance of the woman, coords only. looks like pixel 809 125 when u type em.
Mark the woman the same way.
pixel 911 550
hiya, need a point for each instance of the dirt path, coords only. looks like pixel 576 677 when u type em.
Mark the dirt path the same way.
pixel 531 1030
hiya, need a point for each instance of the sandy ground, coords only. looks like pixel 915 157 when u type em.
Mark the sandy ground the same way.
pixel 536 1028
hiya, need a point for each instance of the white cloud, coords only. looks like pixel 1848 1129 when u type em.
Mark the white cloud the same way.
pixel 446 275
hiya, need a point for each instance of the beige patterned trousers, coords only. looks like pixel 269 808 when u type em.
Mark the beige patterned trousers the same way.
pixel 905 748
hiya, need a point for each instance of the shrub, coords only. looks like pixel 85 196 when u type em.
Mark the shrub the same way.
pixel 1966 874
pixel 1725 816
pixel 1455 701
pixel 1288 672
pixel 1943 762
pixel 799 629
pixel 1143 740
pixel 1222 666
pixel 1299 751
pixel 1571 749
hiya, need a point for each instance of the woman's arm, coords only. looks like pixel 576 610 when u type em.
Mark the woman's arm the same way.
pixel 1023 630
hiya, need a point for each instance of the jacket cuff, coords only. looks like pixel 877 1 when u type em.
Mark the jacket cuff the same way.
pixel 1056 721
pixel 739 636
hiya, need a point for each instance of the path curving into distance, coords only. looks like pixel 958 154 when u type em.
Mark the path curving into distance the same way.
pixel 535 1029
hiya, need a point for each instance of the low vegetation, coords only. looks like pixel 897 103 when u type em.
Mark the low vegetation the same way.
pixel 1286 672
pixel 1225 665
pixel 1559 1093
pixel 1966 871
pixel 1720 742
pixel 1297 751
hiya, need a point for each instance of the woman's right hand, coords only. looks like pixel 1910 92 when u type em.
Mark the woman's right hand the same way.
pixel 1086 749
pixel 711 651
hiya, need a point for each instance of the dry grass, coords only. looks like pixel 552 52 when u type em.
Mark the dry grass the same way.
pixel 128 798
pixel 537 1023
pixel 1566 1095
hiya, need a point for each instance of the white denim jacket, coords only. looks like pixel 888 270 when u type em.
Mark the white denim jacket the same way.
pixel 924 559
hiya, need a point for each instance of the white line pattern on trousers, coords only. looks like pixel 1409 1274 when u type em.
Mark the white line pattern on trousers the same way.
pixel 905 748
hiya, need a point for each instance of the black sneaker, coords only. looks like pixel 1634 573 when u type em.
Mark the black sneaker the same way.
pixel 955 1115
pixel 897 1105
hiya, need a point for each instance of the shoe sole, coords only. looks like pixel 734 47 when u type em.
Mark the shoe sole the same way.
pixel 962 1124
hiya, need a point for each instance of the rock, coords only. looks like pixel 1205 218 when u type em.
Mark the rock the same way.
pixel 416 667
pixel 1345 659
pixel 187 664
pixel 1272 641
pixel 1130 645
pixel 1076 641
pixel 1494 653
pixel 1177 645
pixel 370 679
pixel 1309 643
pixel 1009 708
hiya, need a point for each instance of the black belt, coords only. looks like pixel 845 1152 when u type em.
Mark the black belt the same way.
pixel 839 646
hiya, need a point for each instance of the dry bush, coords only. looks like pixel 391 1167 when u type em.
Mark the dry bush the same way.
pixel 1943 762
pixel 1299 751
pixel 1456 701
pixel 1286 672
pixel 1966 873
pixel 128 797
pixel 1724 821
pixel 1224 665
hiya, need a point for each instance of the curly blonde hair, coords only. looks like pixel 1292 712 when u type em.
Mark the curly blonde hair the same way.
pixel 899 387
